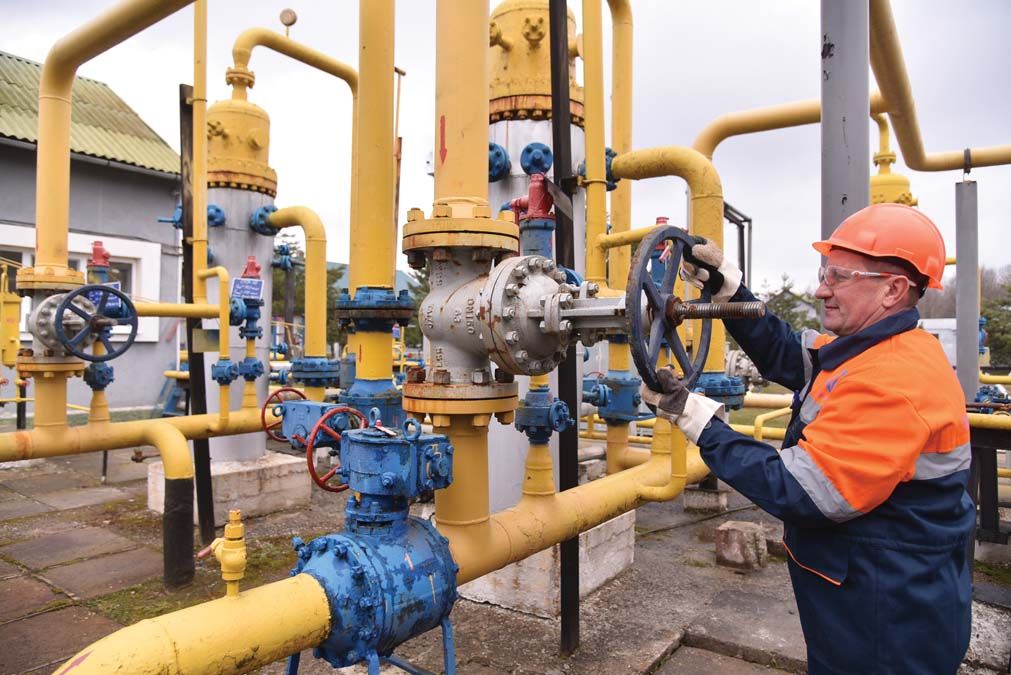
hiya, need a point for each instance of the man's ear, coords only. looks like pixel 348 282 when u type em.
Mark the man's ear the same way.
pixel 897 288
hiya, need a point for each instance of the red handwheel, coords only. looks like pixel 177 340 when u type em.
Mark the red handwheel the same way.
pixel 310 450
pixel 275 399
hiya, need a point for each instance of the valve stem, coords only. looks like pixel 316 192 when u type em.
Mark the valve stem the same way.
pixel 678 311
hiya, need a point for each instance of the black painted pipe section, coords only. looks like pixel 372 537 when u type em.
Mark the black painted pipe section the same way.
pixel 177 533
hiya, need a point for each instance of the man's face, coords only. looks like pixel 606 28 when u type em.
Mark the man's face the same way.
pixel 852 305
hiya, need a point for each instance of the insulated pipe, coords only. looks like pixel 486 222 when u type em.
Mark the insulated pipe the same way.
pixel 706 204
pixel 52 192
pixel 785 115
pixel 595 181
pixel 234 634
pixel 315 280
pixel 242 51
pixel 178 564
pixel 889 68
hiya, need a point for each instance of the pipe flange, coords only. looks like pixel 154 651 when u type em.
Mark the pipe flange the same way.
pixel 49 279
pixel 49 366
pixel 480 401
pixel 461 225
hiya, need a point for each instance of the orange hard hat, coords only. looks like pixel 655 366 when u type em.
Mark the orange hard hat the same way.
pixel 892 231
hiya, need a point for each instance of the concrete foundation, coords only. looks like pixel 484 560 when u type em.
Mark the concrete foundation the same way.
pixel 706 500
pixel 532 585
pixel 274 482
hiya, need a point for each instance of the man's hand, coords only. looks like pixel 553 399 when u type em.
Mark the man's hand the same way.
pixel 691 412
pixel 705 263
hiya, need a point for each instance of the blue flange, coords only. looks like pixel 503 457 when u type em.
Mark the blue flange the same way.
pixel 727 389
pixel 176 219
pixel 215 216
pixel 374 309
pixel 596 394
pixel 224 372
pixel 250 368
pixel 536 158
pixel 98 376
pixel 259 221
pixel 609 178
pixel 236 312
pixel 315 371
pixel 499 163
pixel 539 414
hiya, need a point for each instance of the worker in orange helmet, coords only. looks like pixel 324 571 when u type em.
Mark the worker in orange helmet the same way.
pixel 871 479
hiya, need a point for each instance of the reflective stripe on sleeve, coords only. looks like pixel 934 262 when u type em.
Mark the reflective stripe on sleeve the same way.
pixel 817 485
pixel 807 340
pixel 932 465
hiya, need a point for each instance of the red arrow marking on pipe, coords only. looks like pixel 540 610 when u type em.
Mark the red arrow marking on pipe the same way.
pixel 76 662
pixel 442 139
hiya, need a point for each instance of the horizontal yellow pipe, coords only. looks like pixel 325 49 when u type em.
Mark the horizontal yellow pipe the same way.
pixel 889 68
pixel 234 634
pixel 626 238
pixel 793 114
pixel 1003 473
pixel 985 378
pixel 768 433
pixel 248 39
pixel 773 401
pixel 981 421
pixel 177 374
pixel 178 309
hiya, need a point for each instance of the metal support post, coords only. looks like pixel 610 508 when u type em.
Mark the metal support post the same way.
pixel 22 407
pixel 568 440
pixel 845 140
pixel 967 287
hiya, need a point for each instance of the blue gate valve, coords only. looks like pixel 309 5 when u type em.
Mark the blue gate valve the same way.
pixel 224 372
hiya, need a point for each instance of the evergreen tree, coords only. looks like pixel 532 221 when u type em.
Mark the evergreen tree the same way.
pixel 997 310
pixel 792 307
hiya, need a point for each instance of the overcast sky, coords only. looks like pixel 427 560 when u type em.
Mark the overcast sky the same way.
pixel 693 61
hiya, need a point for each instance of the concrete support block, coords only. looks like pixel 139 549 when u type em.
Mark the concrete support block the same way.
pixel 274 482
pixel 532 585
pixel 706 500
pixel 741 545
pixel 21 464
pixel 592 470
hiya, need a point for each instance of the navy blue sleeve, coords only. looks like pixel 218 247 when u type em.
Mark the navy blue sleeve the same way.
pixel 771 344
pixel 755 470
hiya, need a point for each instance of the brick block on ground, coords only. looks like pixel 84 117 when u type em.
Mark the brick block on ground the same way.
pixel 741 545
pixel 274 482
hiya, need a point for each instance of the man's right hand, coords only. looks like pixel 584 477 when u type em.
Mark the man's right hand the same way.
pixel 706 264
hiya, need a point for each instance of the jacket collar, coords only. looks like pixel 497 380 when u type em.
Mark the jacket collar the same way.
pixel 842 349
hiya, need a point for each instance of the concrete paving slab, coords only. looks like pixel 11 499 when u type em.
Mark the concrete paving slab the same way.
pixel 76 498
pixel 55 549
pixel 21 596
pixel 7 494
pixel 34 485
pixel 21 507
pixel 757 628
pixel 691 661
pixel 99 576
pixel 8 570
pixel 50 638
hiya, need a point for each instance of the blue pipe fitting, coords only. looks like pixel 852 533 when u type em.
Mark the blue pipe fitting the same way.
pixel 596 394
pixel 298 417
pixel 259 222
pixel 215 216
pixel 539 414
pixel 250 368
pixel 315 371
pixel 374 309
pixel 176 219
pixel 349 369
pixel 236 312
pixel 536 158
pixel 282 260
pixel 388 576
pixel 499 163
pixel 380 394
pixel 224 372
pixel 623 404
pixel 98 376
pixel 536 236
pixel 988 393
pixel 727 389
pixel 609 178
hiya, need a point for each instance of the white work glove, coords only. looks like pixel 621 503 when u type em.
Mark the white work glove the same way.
pixel 705 254
pixel 691 412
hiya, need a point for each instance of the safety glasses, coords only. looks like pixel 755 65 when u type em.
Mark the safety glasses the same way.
pixel 833 275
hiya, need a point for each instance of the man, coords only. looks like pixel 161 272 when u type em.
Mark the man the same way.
pixel 870 482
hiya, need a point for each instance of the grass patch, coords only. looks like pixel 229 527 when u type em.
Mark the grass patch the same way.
pixel 999 574
pixel 696 563
pixel 748 415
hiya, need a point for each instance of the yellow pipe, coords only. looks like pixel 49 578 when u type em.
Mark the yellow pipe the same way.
pixel 199 175
pixel 617 239
pixel 982 421
pixel 621 135
pixel 889 68
pixel 984 378
pixel 767 400
pixel 596 179
pixel 782 116
pixel 172 446
pixel 98 411
pixel 223 329
pixel 465 502
pixel 617 445
pixel 539 479
pixel 760 421
pixel 202 310
pixel 315 280
pixel 51 404
pixel 177 374
pixel 884 156
pixel 706 205
pixel 233 634
pixel 769 433
pixel 671 443
pixel 52 193
pixel 1003 473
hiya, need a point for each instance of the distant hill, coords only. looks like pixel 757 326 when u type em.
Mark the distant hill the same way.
pixel 402 281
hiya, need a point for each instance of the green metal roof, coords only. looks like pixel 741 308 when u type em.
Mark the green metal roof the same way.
pixel 102 125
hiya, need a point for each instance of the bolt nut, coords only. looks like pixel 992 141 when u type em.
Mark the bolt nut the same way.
pixel 441 376
pixel 548 265
pixel 565 300
pixel 388 479
pixel 564 326
pixel 521 271
pixel 415 375
pixel 503 377
pixel 442 211
pixel 509 313
pixel 512 290
pixel 535 264
pixel 558 276
pixel 534 365
pixel 415 214
pixel 416 260
pixel 512 337
pixel 592 288
pixel 522 356
pixel 481 376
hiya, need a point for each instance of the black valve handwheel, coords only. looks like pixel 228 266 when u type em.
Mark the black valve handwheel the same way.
pixel 98 325
pixel 648 322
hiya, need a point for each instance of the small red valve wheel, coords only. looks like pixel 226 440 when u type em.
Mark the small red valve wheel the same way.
pixel 310 450
pixel 275 399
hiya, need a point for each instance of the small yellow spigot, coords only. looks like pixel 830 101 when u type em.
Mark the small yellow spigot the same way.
pixel 230 551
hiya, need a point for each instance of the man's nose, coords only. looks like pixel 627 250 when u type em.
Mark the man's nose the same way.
pixel 823 292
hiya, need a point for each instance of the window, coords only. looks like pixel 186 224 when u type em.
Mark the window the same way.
pixel 123 273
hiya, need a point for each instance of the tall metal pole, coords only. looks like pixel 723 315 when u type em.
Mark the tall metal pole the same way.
pixel 967 287
pixel 568 440
pixel 845 140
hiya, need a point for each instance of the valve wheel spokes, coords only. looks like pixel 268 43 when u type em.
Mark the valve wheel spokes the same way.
pixel 310 446
pixel 98 324
pixel 277 398
pixel 646 310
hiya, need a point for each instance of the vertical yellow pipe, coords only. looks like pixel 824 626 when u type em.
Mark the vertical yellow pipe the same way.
pixel 51 402
pixel 249 398
pixel 465 501
pixel 539 478
pixel 593 92
pixel 98 411
pixel 461 101
pixel 200 156
pixel 621 135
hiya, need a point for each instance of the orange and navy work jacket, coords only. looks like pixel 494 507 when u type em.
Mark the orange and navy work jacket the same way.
pixel 877 448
